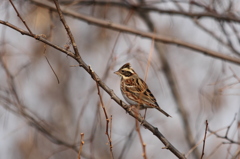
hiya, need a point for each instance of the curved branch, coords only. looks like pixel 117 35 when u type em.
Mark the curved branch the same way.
pixel 160 38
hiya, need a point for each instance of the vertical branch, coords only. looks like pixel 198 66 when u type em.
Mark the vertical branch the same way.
pixel 170 75
pixel 149 58
pixel 141 140
pixel 81 145
pixel 107 121
pixel 110 127
pixel 204 139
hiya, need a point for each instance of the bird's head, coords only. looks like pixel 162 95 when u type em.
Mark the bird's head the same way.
pixel 125 71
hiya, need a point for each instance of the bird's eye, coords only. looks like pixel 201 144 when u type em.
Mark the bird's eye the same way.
pixel 123 71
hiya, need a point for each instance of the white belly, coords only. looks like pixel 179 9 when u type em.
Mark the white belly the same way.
pixel 131 102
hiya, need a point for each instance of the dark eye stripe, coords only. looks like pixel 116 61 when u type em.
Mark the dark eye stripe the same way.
pixel 127 73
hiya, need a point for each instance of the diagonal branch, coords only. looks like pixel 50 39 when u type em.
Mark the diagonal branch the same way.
pixel 67 28
pixel 109 91
pixel 18 14
pixel 204 139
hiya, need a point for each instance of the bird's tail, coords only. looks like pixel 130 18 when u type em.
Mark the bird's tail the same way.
pixel 162 111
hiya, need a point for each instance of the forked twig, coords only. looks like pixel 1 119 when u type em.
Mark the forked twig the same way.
pixel 226 134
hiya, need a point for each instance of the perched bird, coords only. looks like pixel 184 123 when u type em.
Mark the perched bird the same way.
pixel 135 91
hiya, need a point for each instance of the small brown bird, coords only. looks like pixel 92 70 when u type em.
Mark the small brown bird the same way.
pixel 135 91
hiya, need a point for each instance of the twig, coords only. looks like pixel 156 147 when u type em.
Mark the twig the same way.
pixel 82 64
pixel 107 121
pixel 127 143
pixel 226 134
pixel 214 150
pixel 171 79
pixel 144 8
pixel 234 74
pixel 110 127
pixel 160 38
pixel 18 14
pixel 200 141
pixel 81 145
pixel 144 154
pixel 215 133
pixel 236 155
pixel 55 74
pixel 67 29
pixel 216 37
pixel 204 139
pixel 149 58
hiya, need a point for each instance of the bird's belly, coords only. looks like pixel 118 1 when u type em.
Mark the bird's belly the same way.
pixel 131 102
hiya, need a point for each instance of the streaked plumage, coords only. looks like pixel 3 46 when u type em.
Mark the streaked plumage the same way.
pixel 135 90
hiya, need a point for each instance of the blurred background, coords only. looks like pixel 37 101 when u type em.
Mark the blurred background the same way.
pixel 47 100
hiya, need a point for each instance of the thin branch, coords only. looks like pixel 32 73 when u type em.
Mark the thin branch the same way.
pixel 200 141
pixel 55 74
pixel 226 134
pixel 107 120
pixel 144 8
pixel 18 14
pixel 214 150
pixel 67 28
pixel 128 143
pixel 204 139
pixel 172 82
pixel 95 77
pixel 216 37
pixel 144 154
pixel 81 145
pixel 236 155
pixel 159 38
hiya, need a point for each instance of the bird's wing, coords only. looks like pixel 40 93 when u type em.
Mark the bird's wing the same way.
pixel 140 93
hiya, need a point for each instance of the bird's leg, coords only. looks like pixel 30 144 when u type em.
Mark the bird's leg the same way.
pixel 144 117
pixel 131 107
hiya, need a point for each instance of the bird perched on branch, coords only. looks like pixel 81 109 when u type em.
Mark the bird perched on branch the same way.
pixel 135 91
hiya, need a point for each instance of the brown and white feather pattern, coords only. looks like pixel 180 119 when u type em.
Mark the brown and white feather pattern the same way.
pixel 135 90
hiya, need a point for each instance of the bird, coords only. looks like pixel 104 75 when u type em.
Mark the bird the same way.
pixel 135 91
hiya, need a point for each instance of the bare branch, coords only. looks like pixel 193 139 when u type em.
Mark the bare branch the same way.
pixel 81 145
pixel 204 139
pixel 144 154
pixel 95 77
pixel 160 38
pixel 107 120
pixel 67 29
pixel 171 78
pixel 226 134
pixel 145 8
pixel 18 14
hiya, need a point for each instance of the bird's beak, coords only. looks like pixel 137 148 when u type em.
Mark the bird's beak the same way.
pixel 116 72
